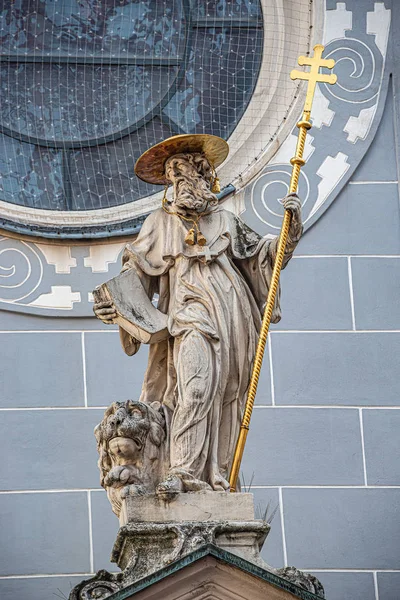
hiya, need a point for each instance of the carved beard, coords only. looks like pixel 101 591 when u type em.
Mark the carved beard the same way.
pixel 193 195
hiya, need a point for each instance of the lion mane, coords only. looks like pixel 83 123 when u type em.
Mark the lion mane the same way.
pixel 130 419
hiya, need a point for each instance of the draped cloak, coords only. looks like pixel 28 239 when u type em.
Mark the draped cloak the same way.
pixel 213 296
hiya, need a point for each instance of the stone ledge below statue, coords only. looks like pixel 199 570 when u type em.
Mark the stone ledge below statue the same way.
pixel 207 506
pixel 146 547
pixel 157 533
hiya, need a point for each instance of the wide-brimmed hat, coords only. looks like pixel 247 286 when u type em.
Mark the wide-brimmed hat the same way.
pixel 150 166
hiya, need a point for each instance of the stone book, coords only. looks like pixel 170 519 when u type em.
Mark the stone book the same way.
pixel 136 313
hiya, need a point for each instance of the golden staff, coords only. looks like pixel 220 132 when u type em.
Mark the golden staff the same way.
pixel 313 76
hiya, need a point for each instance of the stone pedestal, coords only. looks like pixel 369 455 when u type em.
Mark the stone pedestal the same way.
pixel 202 507
pixel 156 533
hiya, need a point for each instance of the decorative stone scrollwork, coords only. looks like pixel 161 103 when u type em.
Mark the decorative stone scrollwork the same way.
pixel 145 547
pixel 361 68
pixel 99 587
pixel 21 270
pixel 345 117
pixel 306 581
pixel 142 548
pixel 272 185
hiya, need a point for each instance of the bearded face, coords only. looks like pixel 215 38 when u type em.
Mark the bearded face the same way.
pixel 191 175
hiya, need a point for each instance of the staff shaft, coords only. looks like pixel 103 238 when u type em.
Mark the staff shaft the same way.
pixel 297 162
pixel 313 76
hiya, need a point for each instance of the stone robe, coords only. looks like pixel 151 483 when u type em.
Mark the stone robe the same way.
pixel 214 298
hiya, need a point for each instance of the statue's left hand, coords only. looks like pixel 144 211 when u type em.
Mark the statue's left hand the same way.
pixel 292 203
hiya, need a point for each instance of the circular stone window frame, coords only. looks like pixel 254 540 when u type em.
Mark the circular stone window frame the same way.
pixel 256 123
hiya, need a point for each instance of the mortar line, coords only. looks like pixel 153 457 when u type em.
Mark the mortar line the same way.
pixel 262 406
pixel 35 408
pixel 271 370
pixel 319 406
pixel 44 575
pixel 58 331
pixel 84 369
pixel 345 256
pixel 285 558
pixel 363 446
pixel 52 491
pixel 373 182
pixel 54 575
pixel 350 570
pixel 375 576
pixel 325 487
pixel 323 331
pixel 274 331
pixel 91 554
pixel 257 487
pixel 350 275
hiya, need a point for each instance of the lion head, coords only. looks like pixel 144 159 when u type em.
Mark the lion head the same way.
pixel 128 430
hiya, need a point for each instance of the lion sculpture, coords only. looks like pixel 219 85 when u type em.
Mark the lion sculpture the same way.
pixel 131 445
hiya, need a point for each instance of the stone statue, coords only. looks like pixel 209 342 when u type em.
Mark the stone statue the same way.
pixel 165 458
pixel 211 273
pixel 130 442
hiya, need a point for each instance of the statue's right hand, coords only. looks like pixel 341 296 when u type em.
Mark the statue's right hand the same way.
pixel 105 311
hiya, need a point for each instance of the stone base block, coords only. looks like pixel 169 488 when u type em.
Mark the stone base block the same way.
pixel 156 532
pixel 207 506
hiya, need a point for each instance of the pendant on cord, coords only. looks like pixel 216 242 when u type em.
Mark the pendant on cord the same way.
pixel 194 236
pixel 190 239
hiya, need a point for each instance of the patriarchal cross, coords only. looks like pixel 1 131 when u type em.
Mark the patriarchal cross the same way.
pixel 313 76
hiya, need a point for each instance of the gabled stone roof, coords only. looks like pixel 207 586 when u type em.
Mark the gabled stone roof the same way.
pixel 213 574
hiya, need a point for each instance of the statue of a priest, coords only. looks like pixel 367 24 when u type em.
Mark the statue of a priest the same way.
pixel 211 273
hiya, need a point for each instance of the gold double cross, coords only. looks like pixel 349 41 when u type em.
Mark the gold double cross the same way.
pixel 313 77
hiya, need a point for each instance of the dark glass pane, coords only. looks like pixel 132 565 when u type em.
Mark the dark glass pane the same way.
pixel 30 175
pixel 219 80
pixel 92 28
pixel 78 103
pixel 226 8
pixel 83 103
pixel 103 176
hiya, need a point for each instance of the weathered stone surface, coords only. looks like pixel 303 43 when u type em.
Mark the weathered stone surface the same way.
pixel 206 506
pixel 102 585
pixel 130 442
pixel 301 579
pixel 159 527
pixel 165 459
pixel 210 574
pixel 142 548
pixel 157 532
pixel 212 274
pixel 204 574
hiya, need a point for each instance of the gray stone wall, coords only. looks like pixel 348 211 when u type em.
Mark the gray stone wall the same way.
pixel 324 443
